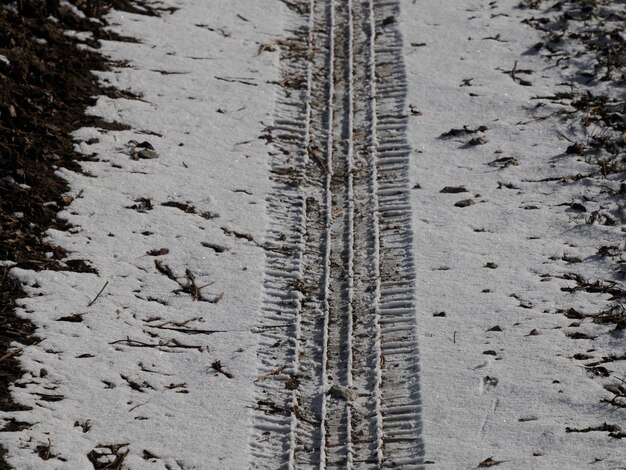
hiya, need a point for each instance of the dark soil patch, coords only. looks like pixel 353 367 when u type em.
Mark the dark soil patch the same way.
pixel 45 85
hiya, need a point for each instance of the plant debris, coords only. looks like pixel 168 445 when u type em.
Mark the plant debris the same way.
pixel 490 462
pixel 462 132
pixel 217 365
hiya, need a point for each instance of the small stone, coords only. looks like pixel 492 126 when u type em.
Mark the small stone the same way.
pixel 534 332
pixel 342 392
pixel 453 189
pixel 147 154
pixel 464 203
pixel 491 265
pixel 524 419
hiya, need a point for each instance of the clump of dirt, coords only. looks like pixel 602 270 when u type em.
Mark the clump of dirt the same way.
pixel 46 85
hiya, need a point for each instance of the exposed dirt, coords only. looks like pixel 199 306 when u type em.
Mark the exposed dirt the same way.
pixel 45 86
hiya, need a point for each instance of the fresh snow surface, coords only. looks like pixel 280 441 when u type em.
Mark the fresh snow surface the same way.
pixel 508 406
pixel 207 76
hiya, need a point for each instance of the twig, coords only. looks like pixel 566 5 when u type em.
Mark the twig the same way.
pixel 217 365
pixel 135 407
pixel 11 354
pixel 4 275
pixel 190 331
pixel 190 287
pixel 172 323
pixel 165 269
pixel 236 234
pixel 195 290
pixel 96 297
pixel 169 344
pixel 250 238
pixel 235 80
pixel 135 343
pixel 48 448
pixel 215 299
pixel 269 373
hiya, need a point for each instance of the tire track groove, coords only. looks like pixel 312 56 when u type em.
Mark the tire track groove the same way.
pixel 338 382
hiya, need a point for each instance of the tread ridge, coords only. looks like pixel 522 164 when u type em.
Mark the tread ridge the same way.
pixel 338 383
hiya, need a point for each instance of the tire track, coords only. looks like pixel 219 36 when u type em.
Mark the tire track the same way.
pixel 339 370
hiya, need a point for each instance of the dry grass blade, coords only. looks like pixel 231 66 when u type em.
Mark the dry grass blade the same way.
pixel 98 294
pixel 11 354
pixel 269 373
pixel 165 269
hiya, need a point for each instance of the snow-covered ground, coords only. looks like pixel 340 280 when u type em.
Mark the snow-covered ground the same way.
pixel 206 95
pixel 151 360
pixel 506 394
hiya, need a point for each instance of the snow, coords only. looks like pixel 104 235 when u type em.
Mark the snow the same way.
pixel 75 10
pixel 467 418
pixel 205 95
